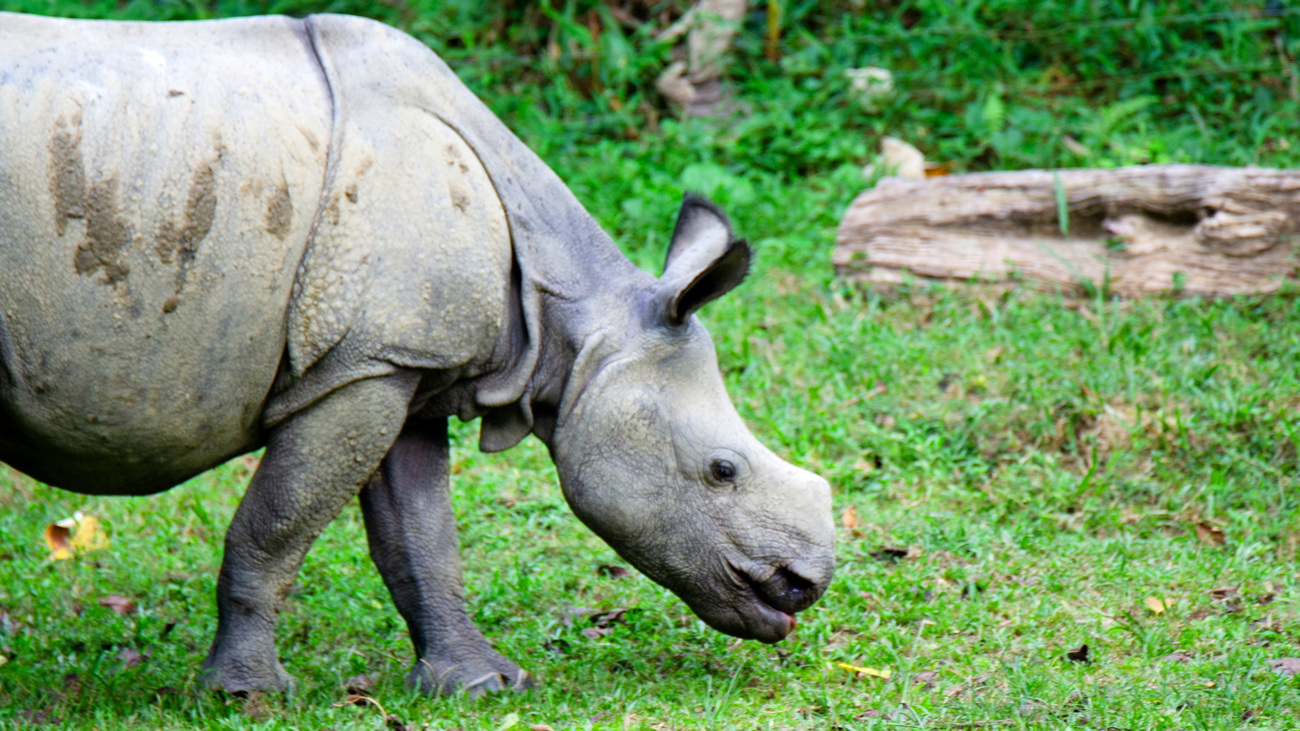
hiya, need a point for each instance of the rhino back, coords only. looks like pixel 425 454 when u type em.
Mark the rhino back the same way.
pixel 158 183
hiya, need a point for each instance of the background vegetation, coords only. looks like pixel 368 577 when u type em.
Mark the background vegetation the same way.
pixel 1017 475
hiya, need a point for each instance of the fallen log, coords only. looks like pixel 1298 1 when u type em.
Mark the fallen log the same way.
pixel 1190 229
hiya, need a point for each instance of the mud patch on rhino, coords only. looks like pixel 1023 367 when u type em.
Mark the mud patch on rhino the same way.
pixel 459 198
pixel 279 212
pixel 67 174
pixel 331 212
pixel 106 235
pixel 180 242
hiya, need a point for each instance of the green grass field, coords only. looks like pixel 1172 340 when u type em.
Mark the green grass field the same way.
pixel 1015 475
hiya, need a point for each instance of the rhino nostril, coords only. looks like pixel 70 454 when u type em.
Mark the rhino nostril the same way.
pixel 800 590
pixel 787 591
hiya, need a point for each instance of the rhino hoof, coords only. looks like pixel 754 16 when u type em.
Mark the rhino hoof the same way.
pixel 467 679
pixel 242 682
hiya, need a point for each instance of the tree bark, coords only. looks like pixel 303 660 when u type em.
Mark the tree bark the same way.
pixel 1191 229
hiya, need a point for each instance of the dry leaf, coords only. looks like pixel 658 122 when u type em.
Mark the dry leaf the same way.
pixel 59 539
pixel 89 535
pixel 119 604
pixel 849 518
pixel 358 685
pixel 1079 655
pixel 36 718
pixel 1285 665
pixel 79 533
pixel 613 572
pixel 872 672
pixel 130 657
pixel 865 466
pixel 890 553
pixel 605 619
pixel 1155 605
pixel 568 614
pixel 540 727
pixel 1210 535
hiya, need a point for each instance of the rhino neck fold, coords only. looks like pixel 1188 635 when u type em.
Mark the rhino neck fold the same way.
pixel 574 336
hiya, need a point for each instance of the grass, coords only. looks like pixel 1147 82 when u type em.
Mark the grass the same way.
pixel 1029 474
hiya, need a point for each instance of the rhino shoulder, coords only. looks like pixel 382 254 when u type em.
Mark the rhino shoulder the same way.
pixel 408 264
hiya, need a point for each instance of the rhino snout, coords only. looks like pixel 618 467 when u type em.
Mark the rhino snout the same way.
pixel 787 589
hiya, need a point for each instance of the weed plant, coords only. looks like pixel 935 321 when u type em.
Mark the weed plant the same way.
pixel 1017 475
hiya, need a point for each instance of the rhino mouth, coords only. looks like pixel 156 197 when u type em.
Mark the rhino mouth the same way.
pixel 772 601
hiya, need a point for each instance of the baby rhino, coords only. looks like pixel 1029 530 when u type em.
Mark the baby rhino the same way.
pixel 308 236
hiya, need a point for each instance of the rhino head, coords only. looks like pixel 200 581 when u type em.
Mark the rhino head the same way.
pixel 653 457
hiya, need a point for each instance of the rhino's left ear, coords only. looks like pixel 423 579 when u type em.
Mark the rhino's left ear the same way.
pixel 703 261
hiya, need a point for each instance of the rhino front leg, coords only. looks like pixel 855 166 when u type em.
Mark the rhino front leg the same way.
pixel 412 535
pixel 314 463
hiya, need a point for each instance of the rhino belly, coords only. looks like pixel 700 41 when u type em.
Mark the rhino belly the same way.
pixel 158 183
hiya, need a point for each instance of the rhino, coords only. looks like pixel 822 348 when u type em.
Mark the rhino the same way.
pixel 308 236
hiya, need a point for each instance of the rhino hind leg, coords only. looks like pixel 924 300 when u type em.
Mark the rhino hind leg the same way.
pixel 315 462
pixel 412 535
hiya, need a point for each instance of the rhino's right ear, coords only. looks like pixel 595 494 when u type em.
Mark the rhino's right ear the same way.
pixel 703 261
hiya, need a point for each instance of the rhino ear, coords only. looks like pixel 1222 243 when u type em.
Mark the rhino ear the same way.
pixel 703 261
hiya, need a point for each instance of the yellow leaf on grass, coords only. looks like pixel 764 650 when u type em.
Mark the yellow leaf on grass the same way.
pixel 89 535
pixel 849 518
pixel 59 539
pixel 77 534
pixel 883 674
pixel 1155 605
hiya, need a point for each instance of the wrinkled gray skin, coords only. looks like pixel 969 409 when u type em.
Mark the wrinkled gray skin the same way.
pixel 309 236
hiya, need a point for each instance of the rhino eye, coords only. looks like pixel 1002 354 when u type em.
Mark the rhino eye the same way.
pixel 722 470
